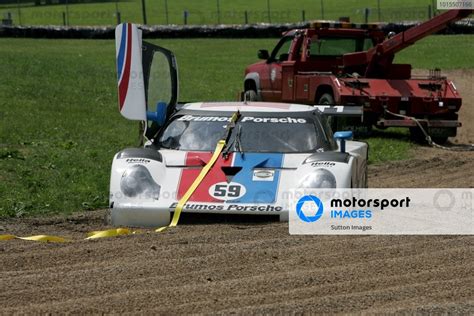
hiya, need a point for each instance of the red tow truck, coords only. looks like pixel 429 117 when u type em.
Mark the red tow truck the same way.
pixel 341 63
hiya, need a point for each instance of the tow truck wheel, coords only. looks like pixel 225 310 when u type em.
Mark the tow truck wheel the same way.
pixel 326 99
pixel 417 136
pixel 440 140
pixel 251 95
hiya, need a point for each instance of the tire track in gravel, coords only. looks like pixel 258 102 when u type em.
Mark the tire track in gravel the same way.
pixel 259 276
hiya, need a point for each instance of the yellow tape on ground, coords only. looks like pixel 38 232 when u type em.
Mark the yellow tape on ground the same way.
pixel 177 212
pixel 45 238
pixel 42 238
pixel 7 237
pixel 91 235
pixel 109 233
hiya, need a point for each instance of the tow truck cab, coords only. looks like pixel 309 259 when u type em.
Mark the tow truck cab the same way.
pixel 283 76
pixel 352 64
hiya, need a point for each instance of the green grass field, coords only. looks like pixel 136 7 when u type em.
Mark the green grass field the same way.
pixel 60 127
pixel 205 11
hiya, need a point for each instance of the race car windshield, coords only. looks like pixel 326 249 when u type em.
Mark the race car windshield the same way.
pixel 252 134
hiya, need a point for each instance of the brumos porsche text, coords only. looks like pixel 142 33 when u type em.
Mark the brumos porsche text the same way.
pixel 289 120
pixel 229 207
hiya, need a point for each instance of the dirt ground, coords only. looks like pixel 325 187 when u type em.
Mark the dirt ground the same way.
pixel 230 265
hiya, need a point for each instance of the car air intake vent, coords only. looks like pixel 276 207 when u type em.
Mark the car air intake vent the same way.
pixel 328 156
pixel 231 171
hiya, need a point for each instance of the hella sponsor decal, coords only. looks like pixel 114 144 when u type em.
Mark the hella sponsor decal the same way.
pixel 137 160
pixel 251 119
pixel 327 164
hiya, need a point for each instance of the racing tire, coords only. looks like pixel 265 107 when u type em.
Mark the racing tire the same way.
pixel 251 95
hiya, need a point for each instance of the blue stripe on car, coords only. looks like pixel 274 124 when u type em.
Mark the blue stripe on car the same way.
pixel 257 191
pixel 120 58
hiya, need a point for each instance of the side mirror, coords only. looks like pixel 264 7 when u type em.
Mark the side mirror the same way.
pixel 263 54
pixel 342 136
pixel 283 57
pixel 159 116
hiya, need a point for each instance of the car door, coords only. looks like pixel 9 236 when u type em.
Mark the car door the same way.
pixel 147 78
pixel 160 73
pixel 271 91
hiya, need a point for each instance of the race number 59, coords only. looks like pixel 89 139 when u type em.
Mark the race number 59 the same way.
pixel 227 191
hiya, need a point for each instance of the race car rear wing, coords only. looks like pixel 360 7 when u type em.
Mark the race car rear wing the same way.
pixel 340 110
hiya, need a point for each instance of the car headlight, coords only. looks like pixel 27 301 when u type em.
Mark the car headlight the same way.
pixel 318 179
pixel 137 180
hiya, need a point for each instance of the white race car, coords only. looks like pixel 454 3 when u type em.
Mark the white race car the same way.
pixel 270 148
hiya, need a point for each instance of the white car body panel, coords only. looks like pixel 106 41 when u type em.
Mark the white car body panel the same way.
pixel 169 171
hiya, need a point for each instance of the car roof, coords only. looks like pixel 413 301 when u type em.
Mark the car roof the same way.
pixel 247 107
